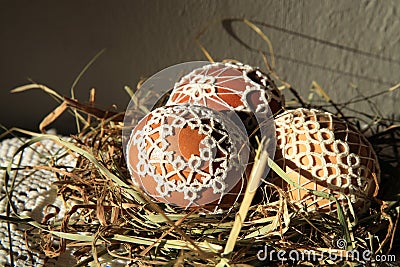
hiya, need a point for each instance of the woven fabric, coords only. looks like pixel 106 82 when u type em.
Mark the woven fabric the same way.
pixel 33 190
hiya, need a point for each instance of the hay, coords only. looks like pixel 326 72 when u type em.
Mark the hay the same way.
pixel 107 215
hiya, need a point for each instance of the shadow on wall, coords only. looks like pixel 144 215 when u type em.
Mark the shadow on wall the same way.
pixel 346 47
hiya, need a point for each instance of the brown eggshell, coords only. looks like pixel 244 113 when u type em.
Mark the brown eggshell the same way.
pixel 275 98
pixel 237 89
pixel 184 155
pixel 321 152
pixel 228 86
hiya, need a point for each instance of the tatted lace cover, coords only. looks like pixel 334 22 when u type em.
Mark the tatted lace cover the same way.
pixel 218 153
pixel 321 152
pixel 275 99
pixel 203 85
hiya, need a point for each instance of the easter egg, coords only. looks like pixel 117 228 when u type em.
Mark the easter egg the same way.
pixel 228 86
pixel 318 151
pixel 275 98
pixel 188 156
pixel 234 88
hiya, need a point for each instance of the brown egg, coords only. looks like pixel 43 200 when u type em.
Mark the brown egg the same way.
pixel 274 96
pixel 187 156
pixel 235 88
pixel 319 151
pixel 228 86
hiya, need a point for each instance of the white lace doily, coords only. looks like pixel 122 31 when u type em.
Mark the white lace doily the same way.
pixel 33 191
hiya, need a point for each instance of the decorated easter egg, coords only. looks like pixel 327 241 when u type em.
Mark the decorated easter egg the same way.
pixel 188 156
pixel 228 86
pixel 318 151
pixel 233 88
pixel 275 98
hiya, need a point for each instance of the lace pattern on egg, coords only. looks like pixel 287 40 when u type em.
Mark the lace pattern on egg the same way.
pixel 218 151
pixel 309 138
pixel 204 84
pixel 259 77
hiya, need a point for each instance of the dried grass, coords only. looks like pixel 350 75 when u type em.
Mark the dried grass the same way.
pixel 107 215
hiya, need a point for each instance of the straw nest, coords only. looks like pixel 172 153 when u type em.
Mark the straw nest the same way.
pixel 106 216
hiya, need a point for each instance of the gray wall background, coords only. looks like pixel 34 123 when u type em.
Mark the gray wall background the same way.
pixel 50 42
